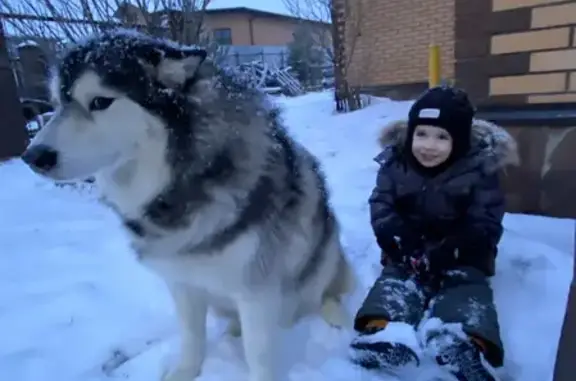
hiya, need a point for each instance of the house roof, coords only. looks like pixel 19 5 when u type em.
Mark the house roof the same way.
pixel 258 12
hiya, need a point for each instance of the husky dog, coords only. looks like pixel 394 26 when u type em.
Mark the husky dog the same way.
pixel 217 198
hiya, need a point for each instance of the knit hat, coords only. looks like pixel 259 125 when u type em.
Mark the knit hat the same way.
pixel 448 108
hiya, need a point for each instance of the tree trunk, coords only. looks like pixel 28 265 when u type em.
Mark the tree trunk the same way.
pixel 345 97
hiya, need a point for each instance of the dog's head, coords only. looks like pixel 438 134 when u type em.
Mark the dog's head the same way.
pixel 112 95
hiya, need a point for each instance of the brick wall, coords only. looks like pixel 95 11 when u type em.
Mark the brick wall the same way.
pixel 392 43
pixel 516 51
pixel 547 46
pixel 500 51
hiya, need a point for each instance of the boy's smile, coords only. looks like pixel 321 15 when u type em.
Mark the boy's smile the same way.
pixel 431 145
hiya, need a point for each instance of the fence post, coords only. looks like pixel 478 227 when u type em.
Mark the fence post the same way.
pixel 565 367
pixel 13 134
pixel 34 71
pixel 434 66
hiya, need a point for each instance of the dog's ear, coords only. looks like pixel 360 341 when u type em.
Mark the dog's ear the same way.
pixel 174 70
pixel 172 66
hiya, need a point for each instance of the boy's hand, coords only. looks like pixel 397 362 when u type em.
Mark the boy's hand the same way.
pixel 440 256
pixel 399 249
pixel 411 242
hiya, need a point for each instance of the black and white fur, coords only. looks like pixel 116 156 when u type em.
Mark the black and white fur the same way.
pixel 219 200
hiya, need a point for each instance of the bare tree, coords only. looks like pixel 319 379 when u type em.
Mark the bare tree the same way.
pixel 345 17
pixel 71 20
pixel 317 17
pixel 51 23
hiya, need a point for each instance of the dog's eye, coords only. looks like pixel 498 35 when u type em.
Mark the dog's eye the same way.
pixel 100 103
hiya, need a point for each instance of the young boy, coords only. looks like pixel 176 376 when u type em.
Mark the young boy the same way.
pixel 437 213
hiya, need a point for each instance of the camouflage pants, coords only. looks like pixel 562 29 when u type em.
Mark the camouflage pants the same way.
pixel 462 296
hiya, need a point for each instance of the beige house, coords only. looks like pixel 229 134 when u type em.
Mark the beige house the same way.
pixel 240 25
pixel 245 26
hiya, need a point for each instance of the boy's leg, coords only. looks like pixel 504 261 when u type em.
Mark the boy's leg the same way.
pixel 466 297
pixel 393 301
pixel 393 297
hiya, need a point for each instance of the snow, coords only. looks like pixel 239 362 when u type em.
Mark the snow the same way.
pixel 75 304
pixel 27 43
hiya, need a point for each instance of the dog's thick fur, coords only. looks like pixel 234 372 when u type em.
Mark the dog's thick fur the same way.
pixel 219 200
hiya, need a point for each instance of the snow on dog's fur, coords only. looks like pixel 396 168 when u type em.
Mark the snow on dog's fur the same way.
pixel 218 199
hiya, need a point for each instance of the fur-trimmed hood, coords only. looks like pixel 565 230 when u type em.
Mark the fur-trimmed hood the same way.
pixel 492 146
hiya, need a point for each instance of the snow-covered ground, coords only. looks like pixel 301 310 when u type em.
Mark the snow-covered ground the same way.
pixel 75 305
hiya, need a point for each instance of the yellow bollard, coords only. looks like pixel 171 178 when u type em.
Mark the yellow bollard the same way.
pixel 434 69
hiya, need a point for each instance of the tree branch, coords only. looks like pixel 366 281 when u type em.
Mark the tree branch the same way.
pixel 72 20
pixel 317 14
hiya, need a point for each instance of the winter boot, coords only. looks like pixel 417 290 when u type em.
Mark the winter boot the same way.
pixel 371 350
pixel 460 357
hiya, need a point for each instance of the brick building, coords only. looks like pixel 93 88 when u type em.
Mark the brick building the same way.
pixel 517 60
pixel 501 51
pixel 388 41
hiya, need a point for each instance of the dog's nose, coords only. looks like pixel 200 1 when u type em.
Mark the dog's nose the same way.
pixel 41 157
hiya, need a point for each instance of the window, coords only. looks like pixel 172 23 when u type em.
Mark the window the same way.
pixel 222 36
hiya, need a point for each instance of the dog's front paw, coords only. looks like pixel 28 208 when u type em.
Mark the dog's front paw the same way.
pixel 182 374
pixel 334 313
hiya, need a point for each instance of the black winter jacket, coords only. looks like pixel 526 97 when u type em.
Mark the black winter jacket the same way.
pixel 464 202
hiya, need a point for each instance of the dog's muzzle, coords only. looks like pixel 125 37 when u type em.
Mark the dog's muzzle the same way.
pixel 41 158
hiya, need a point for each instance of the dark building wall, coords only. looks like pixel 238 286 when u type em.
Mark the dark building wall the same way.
pixel 13 135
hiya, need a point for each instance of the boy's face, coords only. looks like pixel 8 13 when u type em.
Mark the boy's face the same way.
pixel 431 145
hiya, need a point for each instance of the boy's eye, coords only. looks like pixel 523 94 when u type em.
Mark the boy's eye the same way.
pixel 420 134
pixel 443 137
